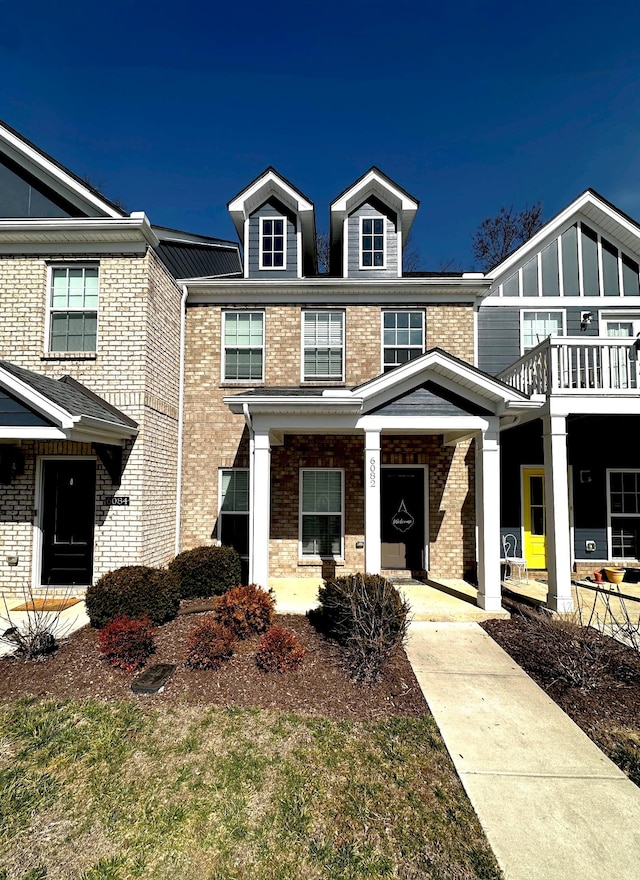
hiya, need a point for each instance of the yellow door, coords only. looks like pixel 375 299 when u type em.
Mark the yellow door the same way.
pixel 535 542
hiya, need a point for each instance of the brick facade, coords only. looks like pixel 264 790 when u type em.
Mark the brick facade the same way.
pixel 136 368
pixel 215 438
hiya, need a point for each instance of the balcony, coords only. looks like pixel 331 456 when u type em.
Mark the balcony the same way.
pixel 594 366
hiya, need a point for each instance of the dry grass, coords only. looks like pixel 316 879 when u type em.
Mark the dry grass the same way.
pixel 106 791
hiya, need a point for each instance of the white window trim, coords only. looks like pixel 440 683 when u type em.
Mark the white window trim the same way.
pixel 315 380
pixel 314 558
pixel 261 265
pixel 223 358
pixel 69 264
pixel 384 242
pixel 221 472
pixel 609 471
pixel 397 312
pixel 562 312
pixel 606 315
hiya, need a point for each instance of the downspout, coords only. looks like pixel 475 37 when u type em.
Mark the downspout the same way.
pixel 183 322
pixel 249 424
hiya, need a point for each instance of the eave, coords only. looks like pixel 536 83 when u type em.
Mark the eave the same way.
pixel 126 235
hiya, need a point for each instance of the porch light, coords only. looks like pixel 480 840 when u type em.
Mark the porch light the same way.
pixel 585 319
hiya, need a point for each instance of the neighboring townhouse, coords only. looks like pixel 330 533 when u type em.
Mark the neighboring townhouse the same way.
pixel 90 340
pixel 562 324
pixel 161 390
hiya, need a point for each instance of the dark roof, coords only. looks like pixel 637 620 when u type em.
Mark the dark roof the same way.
pixel 71 395
pixel 432 274
pixel 186 260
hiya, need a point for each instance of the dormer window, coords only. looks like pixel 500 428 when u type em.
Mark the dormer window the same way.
pixel 273 243
pixel 372 243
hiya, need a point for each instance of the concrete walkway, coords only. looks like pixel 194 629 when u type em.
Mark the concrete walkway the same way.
pixel 62 624
pixel 552 805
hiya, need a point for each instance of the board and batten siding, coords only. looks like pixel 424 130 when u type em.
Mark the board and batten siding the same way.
pixel 271 209
pixel 353 266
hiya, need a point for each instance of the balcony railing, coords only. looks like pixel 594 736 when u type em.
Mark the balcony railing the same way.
pixel 571 365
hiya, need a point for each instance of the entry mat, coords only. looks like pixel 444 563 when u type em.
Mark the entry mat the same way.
pixel 46 605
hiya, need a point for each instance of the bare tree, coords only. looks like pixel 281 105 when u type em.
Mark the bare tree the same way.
pixel 323 246
pixel 410 255
pixel 497 236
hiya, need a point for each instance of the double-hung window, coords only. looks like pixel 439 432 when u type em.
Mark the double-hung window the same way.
pixel 372 237
pixel 323 343
pixel 321 512
pixel 624 513
pixel 243 346
pixel 273 239
pixel 73 308
pixel 536 326
pixel 402 338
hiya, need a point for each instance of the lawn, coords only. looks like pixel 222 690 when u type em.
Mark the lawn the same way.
pixel 100 790
pixel 227 774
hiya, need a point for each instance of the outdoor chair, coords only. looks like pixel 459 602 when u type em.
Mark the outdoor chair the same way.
pixel 511 560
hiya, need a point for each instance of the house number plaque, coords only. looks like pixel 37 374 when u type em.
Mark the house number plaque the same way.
pixel 118 500
pixel 372 472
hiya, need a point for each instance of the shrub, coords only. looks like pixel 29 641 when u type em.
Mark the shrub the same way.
pixel 368 617
pixel 279 651
pixel 246 610
pixel 134 591
pixel 209 644
pixel 126 643
pixel 206 571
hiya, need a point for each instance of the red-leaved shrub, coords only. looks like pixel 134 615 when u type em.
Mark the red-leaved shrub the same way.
pixel 126 643
pixel 246 610
pixel 209 644
pixel 279 651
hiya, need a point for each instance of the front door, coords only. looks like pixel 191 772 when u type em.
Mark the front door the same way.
pixel 535 541
pixel 68 513
pixel 402 518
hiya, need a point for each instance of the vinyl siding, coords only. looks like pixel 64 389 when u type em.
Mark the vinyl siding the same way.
pixel 272 209
pixel 353 266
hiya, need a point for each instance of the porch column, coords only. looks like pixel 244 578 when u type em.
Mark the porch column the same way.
pixel 488 516
pixel 372 557
pixel 260 510
pixel 556 491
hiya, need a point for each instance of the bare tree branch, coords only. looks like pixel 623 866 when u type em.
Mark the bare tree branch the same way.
pixel 497 236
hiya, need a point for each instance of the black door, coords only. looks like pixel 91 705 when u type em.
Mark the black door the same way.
pixel 402 516
pixel 68 514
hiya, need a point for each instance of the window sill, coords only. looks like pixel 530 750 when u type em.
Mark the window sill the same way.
pixel 325 383
pixel 69 356
pixel 320 560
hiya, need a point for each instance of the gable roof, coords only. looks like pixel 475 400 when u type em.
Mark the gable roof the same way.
pixel 590 205
pixel 39 165
pixel 71 410
pixel 469 390
pixel 374 183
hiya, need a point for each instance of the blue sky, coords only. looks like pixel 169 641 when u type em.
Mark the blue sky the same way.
pixel 173 108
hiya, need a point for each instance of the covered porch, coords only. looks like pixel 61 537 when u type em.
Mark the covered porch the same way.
pixel 433 398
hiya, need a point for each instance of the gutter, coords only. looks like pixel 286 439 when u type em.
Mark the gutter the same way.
pixel 183 322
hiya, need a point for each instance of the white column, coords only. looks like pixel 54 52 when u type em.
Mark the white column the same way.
pixel 260 510
pixel 372 558
pixel 488 516
pixel 556 491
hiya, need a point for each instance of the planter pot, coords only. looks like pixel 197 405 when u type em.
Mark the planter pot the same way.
pixel 597 576
pixel 614 575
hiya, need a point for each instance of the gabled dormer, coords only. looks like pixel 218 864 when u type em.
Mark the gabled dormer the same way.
pixel 369 223
pixel 276 225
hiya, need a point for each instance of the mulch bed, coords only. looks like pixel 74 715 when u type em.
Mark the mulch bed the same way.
pixel 318 687
pixel 608 699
